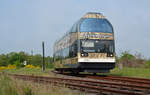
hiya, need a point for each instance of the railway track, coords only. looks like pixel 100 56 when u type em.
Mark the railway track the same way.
pixel 128 80
pixel 92 86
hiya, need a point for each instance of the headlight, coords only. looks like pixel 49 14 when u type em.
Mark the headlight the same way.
pixel 110 55
pixel 84 54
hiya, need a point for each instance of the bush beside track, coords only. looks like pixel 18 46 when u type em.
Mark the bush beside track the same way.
pixel 131 72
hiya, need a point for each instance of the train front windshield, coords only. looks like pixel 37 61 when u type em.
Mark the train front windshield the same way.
pixel 95 25
pixel 97 46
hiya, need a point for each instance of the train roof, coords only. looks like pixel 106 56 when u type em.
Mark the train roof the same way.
pixel 86 16
pixel 93 15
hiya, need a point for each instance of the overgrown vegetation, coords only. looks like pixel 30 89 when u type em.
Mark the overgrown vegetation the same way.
pixel 131 72
pixel 147 64
pixel 9 86
pixel 18 59
pixel 130 60
pixel 132 65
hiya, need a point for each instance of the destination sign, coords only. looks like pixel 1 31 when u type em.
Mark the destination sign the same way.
pixel 95 35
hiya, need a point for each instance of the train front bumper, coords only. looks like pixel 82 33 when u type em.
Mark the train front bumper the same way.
pixel 106 60
pixel 96 65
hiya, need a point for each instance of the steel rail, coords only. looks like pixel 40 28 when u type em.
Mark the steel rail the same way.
pixel 143 79
pixel 80 84
pixel 122 85
pixel 120 79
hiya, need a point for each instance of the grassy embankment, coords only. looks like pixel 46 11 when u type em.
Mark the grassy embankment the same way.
pixel 10 86
pixel 28 71
pixel 126 71
pixel 132 72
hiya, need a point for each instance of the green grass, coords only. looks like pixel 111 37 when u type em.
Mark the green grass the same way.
pixel 11 86
pixel 28 71
pixel 131 72
pixel 6 86
pixel 126 71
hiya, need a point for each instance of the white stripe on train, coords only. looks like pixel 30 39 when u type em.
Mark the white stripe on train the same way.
pixel 112 60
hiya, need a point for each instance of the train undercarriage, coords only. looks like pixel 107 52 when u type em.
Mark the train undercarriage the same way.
pixel 87 67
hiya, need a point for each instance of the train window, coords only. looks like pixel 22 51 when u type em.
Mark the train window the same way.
pixel 95 25
pixel 73 50
pixel 74 28
pixel 104 46
pixel 97 46
pixel 87 43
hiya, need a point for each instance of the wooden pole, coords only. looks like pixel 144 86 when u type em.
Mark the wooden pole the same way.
pixel 43 67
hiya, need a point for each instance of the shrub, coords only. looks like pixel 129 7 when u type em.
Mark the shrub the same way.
pixel 18 64
pixel 29 66
pixel 8 67
pixel 11 67
pixel 37 67
pixel 147 64
pixel 127 59
pixel 32 67
pixel 3 68
pixel 49 65
pixel 126 55
pixel 130 60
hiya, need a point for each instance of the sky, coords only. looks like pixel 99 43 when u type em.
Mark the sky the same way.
pixel 24 24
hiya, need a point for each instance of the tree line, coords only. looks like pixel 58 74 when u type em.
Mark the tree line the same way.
pixel 19 58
